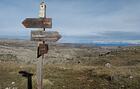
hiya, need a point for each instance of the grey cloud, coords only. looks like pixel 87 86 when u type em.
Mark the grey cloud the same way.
pixel 120 35
pixel 75 17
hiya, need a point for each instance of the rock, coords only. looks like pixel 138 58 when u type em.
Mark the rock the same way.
pixel 108 65
pixel 13 83
pixel 131 77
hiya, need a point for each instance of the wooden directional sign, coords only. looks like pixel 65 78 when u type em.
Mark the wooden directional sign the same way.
pixel 42 49
pixel 37 22
pixel 49 36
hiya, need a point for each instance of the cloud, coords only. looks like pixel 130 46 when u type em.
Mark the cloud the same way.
pixel 75 17
pixel 120 35
pixel 12 15
pixel 92 16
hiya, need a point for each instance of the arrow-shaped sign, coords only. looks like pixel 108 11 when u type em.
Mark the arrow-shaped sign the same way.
pixel 37 22
pixel 49 36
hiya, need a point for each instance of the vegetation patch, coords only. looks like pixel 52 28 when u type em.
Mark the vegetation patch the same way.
pixel 8 57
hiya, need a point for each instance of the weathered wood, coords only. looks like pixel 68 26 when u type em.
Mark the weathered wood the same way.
pixel 42 14
pixel 42 49
pixel 37 22
pixel 49 36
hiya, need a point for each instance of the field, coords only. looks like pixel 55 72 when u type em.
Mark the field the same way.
pixel 69 66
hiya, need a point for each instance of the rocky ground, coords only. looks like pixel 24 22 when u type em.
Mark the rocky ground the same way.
pixel 26 51
pixel 71 66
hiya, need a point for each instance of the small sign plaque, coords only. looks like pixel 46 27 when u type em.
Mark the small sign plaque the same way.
pixel 42 49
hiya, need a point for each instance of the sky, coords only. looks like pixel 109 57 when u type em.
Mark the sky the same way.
pixel 95 19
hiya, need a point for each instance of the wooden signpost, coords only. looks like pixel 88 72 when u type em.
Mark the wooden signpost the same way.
pixel 37 22
pixel 41 36
pixel 48 36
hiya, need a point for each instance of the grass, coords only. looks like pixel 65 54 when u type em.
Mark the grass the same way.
pixel 73 76
pixel 8 57
pixel 84 70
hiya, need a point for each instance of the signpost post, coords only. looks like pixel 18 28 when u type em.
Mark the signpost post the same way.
pixel 42 14
pixel 41 36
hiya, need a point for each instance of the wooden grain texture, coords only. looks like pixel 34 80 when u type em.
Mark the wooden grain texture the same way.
pixel 49 36
pixel 37 22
